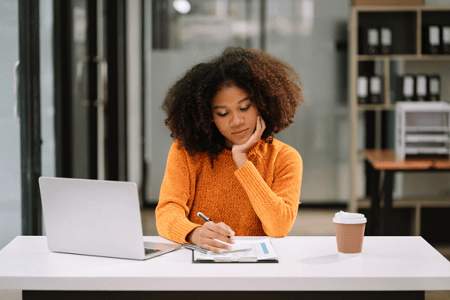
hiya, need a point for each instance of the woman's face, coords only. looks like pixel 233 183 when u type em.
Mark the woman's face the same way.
pixel 234 114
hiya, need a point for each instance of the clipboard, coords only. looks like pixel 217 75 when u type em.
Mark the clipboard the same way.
pixel 258 251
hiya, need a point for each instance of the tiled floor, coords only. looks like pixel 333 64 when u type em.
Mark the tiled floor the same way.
pixel 310 222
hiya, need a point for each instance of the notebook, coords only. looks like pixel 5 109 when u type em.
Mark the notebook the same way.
pixel 96 217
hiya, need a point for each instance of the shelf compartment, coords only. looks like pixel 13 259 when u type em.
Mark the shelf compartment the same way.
pixel 371 83
pixel 434 18
pixel 423 138
pixel 376 107
pixel 422 128
pixel 426 129
pixel 426 118
pixel 426 150
pixel 407 57
pixel 402 24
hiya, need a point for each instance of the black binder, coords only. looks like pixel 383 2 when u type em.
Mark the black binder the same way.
pixel 434 87
pixel 445 41
pixel 369 40
pixel 407 87
pixel 363 90
pixel 421 87
pixel 375 84
pixel 386 40
pixel 431 40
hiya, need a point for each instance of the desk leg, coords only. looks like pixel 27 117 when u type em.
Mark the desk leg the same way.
pixel 374 191
pixel 388 187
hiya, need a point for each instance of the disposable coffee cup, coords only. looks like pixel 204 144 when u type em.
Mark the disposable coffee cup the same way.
pixel 349 228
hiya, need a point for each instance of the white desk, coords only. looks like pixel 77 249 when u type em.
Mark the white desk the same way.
pixel 306 264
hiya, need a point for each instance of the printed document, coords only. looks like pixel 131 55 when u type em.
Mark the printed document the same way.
pixel 259 250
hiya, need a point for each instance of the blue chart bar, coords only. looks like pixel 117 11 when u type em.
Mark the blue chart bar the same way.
pixel 263 245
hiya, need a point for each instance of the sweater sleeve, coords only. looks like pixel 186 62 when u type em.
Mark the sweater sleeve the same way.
pixel 276 205
pixel 172 210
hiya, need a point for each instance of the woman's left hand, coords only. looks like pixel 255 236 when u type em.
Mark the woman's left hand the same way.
pixel 239 152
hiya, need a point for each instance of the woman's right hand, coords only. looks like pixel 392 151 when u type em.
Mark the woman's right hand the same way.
pixel 206 236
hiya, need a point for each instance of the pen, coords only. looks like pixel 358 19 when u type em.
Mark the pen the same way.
pixel 195 248
pixel 204 217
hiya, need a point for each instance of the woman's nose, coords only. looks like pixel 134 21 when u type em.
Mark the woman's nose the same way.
pixel 237 120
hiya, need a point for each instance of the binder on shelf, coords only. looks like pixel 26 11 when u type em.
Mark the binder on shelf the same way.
pixel 407 88
pixel 434 87
pixel 445 40
pixel 421 87
pixel 370 40
pixel 363 90
pixel 431 40
pixel 375 90
pixel 386 40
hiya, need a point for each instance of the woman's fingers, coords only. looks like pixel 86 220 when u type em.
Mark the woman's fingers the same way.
pixel 214 245
pixel 256 136
pixel 260 127
pixel 220 229
pixel 213 236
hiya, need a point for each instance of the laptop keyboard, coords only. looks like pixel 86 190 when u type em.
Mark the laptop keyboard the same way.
pixel 150 251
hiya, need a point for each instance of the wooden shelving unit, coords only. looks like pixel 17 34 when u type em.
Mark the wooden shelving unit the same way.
pixel 410 21
pixel 403 57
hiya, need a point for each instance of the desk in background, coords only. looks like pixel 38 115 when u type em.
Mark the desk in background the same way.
pixel 308 268
pixel 385 161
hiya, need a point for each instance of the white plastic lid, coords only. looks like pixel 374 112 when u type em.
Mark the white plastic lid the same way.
pixel 349 218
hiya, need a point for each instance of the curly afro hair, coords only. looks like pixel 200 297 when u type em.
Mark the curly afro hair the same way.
pixel 273 85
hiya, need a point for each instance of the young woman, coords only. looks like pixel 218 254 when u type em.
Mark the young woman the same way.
pixel 225 162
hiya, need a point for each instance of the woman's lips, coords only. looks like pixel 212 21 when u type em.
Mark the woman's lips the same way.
pixel 239 132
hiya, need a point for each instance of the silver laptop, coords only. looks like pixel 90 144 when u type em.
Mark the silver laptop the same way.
pixel 96 217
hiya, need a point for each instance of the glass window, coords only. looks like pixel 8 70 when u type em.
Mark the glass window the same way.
pixel 181 39
pixel 198 24
pixel 10 189
pixel 304 33
pixel 47 103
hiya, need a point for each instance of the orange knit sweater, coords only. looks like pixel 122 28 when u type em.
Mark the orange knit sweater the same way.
pixel 260 198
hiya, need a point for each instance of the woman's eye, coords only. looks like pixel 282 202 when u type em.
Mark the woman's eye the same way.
pixel 245 108
pixel 222 114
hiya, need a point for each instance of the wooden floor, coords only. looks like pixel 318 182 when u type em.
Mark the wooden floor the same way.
pixel 310 222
